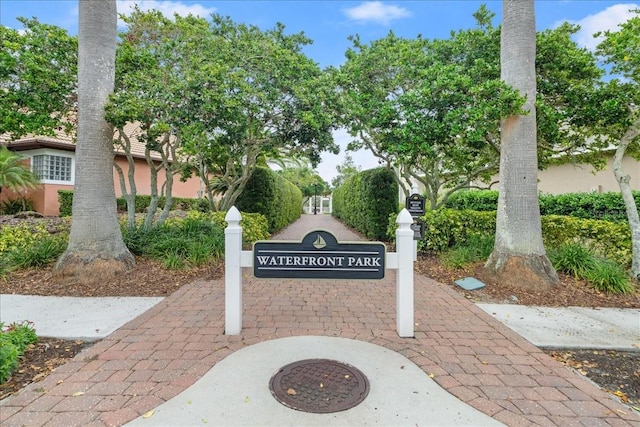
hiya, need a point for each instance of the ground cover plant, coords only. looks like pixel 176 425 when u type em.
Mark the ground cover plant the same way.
pixel 14 340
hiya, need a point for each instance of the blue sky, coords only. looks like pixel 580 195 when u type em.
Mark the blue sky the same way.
pixel 329 22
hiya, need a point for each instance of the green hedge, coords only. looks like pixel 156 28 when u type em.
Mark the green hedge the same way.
pixel 270 194
pixel 65 197
pixel 445 228
pixel 605 206
pixel 366 200
pixel 607 239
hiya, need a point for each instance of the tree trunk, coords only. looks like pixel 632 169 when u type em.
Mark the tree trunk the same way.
pixel 629 202
pixel 129 196
pixel 519 256
pixel 96 251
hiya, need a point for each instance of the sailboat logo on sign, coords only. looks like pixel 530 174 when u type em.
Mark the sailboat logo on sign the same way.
pixel 319 256
pixel 319 243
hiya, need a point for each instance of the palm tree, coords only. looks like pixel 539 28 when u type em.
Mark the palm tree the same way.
pixel 13 174
pixel 96 250
pixel 518 255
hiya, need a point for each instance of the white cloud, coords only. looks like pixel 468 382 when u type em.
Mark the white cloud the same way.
pixel 606 20
pixel 167 7
pixel 377 12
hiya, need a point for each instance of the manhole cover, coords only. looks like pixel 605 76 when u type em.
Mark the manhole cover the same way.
pixel 319 386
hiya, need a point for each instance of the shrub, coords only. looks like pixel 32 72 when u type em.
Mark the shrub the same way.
pixel 475 248
pixel 65 198
pixel 572 258
pixel 14 339
pixel 43 252
pixel 9 356
pixel 607 276
pixel 271 195
pixel 447 228
pixel 21 236
pixel 14 206
pixel 603 206
pixel 611 240
pixel 192 240
pixel 476 200
pixel 254 225
pixel 366 200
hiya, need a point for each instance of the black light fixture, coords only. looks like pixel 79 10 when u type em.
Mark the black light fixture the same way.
pixel 315 198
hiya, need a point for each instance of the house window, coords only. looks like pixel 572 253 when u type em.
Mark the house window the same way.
pixel 49 167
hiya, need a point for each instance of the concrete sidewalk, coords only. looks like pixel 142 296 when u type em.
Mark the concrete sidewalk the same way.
pixel 178 347
pixel 571 327
pixel 87 319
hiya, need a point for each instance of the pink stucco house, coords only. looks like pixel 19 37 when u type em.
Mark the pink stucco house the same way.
pixel 53 159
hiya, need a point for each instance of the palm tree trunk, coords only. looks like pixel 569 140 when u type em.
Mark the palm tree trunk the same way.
pixel 519 255
pixel 96 250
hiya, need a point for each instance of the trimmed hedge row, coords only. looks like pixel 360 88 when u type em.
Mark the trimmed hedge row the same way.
pixel 605 206
pixel 366 200
pixel 65 197
pixel 445 228
pixel 277 199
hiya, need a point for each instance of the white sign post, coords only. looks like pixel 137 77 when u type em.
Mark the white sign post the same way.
pixel 236 258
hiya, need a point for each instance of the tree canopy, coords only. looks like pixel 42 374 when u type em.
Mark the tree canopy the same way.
pixel 431 108
pixel 618 112
pixel 229 95
pixel 38 67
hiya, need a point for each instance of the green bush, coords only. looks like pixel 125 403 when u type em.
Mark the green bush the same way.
pixel 572 258
pixel 448 228
pixel 193 240
pixel 603 206
pixel 579 261
pixel 607 276
pixel 271 195
pixel 43 252
pixel 5 267
pixel 475 200
pixel 21 236
pixel 366 200
pixel 65 198
pixel 14 206
pixel 254 225
pixel 9 357
pixel 611 240
pixel 475 248
pixel 14 339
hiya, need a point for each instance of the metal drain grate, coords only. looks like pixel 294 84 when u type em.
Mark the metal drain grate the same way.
pixel 319 386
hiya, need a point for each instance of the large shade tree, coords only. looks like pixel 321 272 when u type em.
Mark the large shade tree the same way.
pixel 519 256
pixel 96 250
pixel 227 96
pixel 432 108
